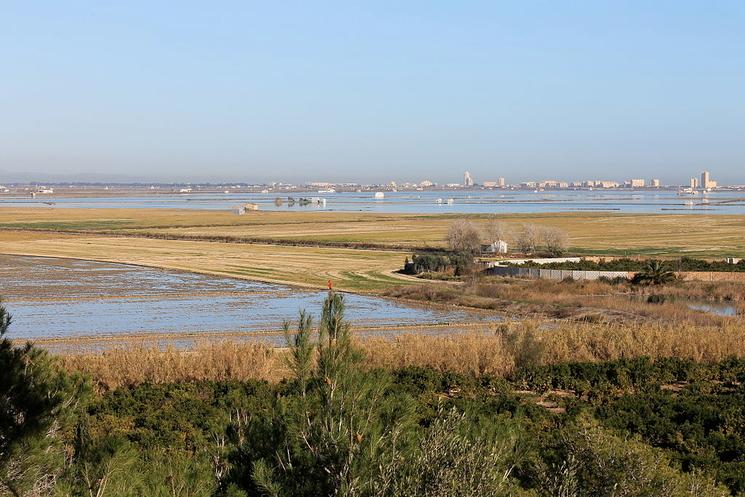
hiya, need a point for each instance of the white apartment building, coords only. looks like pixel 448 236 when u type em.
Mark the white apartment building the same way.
pixel 467 179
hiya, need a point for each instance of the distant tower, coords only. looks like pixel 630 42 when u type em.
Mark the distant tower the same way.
pixel 694 183
pixel 500 182
pixel 705 180
pixel 467 179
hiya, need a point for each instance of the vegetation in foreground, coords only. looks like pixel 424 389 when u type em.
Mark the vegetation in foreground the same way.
pixel 339 424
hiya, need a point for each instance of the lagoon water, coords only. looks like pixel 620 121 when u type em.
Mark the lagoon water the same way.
pixel 58 298
pixel 464 201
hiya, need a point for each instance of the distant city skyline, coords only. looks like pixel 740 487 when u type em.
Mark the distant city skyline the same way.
pixel 372 91
pixel 704 180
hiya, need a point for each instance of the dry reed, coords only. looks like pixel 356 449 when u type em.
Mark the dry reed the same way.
pixel 577 299
pixel 472 353
pixel 143 363
pixel 496 353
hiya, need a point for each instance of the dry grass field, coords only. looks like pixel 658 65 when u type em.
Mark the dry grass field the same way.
pixel 590 233
pixel 355 250
pixel 354 270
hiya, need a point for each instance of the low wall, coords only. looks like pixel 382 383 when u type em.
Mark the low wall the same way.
pixel 711 276
pixel 561 274
pixel 554 274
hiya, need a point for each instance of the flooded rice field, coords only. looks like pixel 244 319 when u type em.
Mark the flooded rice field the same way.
pixel 407 202
pixel 61 301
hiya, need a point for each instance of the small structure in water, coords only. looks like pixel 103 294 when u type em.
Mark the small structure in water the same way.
pixel 242 209
pixel 379 195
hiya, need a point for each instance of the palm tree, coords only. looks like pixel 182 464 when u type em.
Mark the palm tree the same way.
pixel 654 273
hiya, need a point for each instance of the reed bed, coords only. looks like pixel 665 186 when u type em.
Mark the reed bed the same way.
pixel 477 354
pixel 579 299
pixel 148 363
pixel 495 353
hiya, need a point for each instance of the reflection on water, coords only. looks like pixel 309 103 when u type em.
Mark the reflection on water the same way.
pixel 464 202
pixel 68 298
pixel 718 309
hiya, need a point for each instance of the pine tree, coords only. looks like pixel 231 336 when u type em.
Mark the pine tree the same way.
pixel 36 404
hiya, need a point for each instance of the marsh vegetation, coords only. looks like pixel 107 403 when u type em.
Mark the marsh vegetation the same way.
pixel 336 421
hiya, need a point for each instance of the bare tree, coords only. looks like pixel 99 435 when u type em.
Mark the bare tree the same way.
pixel 555 240
pixel 463 236
pixel 528 239
pixel 495 231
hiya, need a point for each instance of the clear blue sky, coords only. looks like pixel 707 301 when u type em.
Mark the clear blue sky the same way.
pixel 373 91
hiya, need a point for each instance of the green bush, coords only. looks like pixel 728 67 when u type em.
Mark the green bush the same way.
pixel 38 403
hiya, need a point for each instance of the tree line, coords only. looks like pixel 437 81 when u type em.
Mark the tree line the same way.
pixel 464 241
pixel 465 237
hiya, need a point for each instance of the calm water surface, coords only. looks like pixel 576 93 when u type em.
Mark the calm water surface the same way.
pixel 464 202
pixel 66 298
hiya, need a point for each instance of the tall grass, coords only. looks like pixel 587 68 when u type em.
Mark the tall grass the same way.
pixel 496 353
pixel 579 299
pixel 147 363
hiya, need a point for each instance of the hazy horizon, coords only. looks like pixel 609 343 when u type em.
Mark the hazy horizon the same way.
pixel 371 93
pixel 124 179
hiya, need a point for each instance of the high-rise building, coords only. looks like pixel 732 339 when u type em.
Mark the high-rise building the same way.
pixel 637 183
pixel 467 179
pixel 694 183
pixel 654 183
pixel 500 182
pixel 705 178
pixel 706 181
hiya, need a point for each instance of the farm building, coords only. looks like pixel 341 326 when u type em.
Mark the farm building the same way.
pixel 498 247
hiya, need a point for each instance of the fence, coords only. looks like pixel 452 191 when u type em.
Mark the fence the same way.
pixel 561 274
pixel 554 274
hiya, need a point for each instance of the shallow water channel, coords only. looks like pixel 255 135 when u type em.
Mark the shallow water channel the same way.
pixel 724 309
pixel 61 300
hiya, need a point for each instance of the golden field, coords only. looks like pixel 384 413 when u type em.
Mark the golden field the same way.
pixel 359 270
pixel 358 251
pixel 590 233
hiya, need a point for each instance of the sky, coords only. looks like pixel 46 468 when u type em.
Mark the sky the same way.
pixel 372 91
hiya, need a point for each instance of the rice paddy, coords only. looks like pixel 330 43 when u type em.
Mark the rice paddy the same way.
pixel 356 251
pixel 699 235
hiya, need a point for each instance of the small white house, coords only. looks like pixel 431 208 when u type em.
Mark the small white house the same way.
pixel 732 260
pixel 498 247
